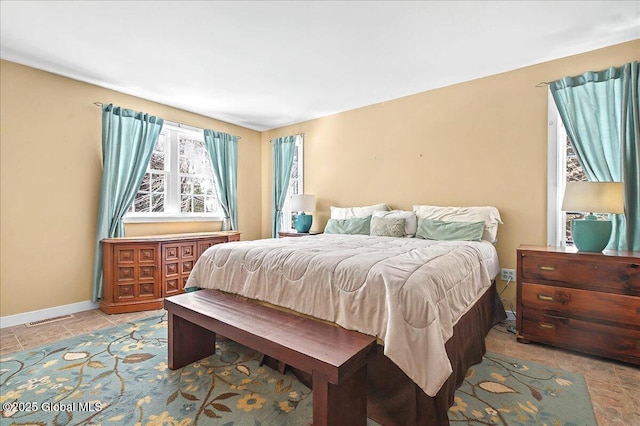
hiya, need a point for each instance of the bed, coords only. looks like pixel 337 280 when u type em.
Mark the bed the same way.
pixel 435 297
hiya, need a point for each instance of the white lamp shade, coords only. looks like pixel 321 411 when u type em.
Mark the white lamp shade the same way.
pixel 594 197
pixel 303 203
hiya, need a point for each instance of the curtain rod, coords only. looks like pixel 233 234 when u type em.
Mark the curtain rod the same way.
pixel 297 134
pixel 173 123
pixel 542 84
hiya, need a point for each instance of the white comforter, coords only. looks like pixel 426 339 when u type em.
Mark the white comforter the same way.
pixel 408 292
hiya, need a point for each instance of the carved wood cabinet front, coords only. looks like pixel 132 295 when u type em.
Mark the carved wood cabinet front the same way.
pixel 139 272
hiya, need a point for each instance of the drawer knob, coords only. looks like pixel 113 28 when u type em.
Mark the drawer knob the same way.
pixel 545 297
pixel 547 326
pixel 547 268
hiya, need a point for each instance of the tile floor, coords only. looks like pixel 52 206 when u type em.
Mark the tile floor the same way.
pixel 614 387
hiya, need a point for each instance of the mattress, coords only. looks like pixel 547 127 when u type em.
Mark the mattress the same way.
pixel 408 292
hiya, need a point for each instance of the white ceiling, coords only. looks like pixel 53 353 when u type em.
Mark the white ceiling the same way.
pixel 267 64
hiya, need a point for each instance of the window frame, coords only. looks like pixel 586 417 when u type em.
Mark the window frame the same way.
pixel 172 180
pixel 557 179
pixel 556 176
pixel 287 225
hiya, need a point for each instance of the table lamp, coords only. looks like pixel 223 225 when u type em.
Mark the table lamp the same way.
pixel 302 203
pixel 590 234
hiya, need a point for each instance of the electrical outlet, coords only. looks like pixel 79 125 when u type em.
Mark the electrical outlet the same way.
pixel 508 274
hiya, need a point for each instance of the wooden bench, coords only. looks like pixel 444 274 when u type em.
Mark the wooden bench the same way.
pixel 336 358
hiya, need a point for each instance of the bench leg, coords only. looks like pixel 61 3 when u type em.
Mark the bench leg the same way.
pixel 272 363
pixel 188 342
pixel 344 404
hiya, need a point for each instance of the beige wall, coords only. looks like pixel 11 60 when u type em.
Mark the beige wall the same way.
pixel 50 172
pixel 482 142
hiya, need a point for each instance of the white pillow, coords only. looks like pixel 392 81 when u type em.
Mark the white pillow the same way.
pixel 489 215
pixel 349 212
pixel 410 220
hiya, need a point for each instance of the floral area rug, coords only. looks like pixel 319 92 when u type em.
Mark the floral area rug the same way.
pixel 507 391
pixel 119 376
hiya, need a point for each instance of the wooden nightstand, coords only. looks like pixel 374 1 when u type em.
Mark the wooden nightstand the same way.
pixel 589 302
pixel 283 234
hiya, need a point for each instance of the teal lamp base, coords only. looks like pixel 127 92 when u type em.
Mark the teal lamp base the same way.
pixel 591 234
pixel 302 222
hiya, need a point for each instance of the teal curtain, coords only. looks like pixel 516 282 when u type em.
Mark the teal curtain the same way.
pixel 283 150
pixel 600 112
pixel 223 151
pixel 630 136
pixel 128 138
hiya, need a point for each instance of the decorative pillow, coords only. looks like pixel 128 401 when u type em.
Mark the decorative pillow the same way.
pixel 349 212
pixel 450 231
pixel 387 227
pixel 489 215
pixel 411 220
pixel 354 226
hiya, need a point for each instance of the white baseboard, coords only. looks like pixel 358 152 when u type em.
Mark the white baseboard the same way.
pixel 42 314
pixel 511 316
pixel 18 319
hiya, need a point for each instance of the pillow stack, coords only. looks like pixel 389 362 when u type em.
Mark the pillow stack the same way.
pixel 428 222
pixel 352 220
pixel 375 220
pixel 489 216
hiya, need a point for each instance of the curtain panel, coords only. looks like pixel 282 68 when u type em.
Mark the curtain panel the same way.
pixel 223 152
pixel 600 113
pixel 283 150
pixel 128 138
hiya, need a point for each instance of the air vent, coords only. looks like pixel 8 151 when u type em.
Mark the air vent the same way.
pixel 48 320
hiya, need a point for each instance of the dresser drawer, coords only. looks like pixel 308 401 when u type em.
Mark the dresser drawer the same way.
pixel 604 274
pixel 613 308
pixel 593 338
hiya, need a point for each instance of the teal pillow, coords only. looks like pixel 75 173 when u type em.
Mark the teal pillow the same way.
pixel 449 231
pixel 387 227
pixel 354 226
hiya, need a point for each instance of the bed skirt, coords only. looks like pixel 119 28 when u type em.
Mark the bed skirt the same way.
pixel 394 399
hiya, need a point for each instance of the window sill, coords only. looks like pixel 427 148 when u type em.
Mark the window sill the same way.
pixel 171 218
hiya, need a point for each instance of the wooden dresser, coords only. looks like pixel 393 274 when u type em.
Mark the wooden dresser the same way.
pixel 588 302
pixel 139 272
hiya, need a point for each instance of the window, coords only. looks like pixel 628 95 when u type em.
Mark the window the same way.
pixel 296 183
pixel 563 167
pixel 179 183
pixel 197 190
pixel 151 195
